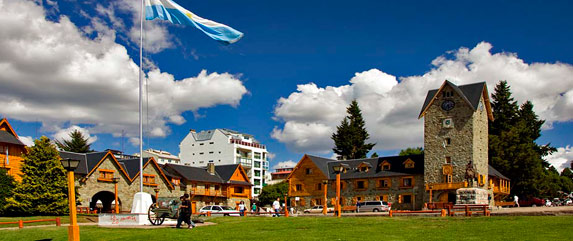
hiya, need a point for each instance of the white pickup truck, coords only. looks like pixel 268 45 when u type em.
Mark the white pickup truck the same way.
pixel 318 209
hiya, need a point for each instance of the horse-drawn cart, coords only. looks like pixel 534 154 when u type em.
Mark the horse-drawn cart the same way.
pixel 165 207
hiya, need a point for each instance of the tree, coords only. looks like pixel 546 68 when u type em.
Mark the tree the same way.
pixel 374 155
pixel 78 143
pixel 567 173
pixel 7 183
pixel 43 190
pixel 411 151
pixel 351 135
pixel 512 147
pixel 270 193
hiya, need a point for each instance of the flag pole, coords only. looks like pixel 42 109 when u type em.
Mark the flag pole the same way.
pixel 140 100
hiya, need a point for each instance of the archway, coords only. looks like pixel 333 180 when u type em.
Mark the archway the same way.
pixel 447 197
pixel 102 201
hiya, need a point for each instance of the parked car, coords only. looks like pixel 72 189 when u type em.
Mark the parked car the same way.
pixel 217 210
pixel 373 206
pixel 532 202
pixel 318 209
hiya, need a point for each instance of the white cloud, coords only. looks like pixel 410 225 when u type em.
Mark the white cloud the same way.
pixel 562 158
pixel 271 156
pixel 285 164
pixel 27 140
pixel 134 141
pixel 64 134
pixel 390 108
pixel 52 72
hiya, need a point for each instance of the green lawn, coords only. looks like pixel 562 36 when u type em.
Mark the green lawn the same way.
pixel 64 219
pixel 322 228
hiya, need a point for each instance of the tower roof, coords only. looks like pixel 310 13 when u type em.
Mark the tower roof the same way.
pixel 470 93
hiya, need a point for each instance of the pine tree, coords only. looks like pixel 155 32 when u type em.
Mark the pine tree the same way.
pixel 374 155
pixel 78 143
pixel 7 184
pixel 567 173
pixel 411 151
pixel 43 190
pixel 351 135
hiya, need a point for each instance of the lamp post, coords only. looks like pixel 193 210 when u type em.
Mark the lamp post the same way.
pixel 115 182
pixel 325 206
pixel 156 193
pixel 73 230
pixel 339 169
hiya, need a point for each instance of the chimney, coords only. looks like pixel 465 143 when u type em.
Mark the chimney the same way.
pixel 211 168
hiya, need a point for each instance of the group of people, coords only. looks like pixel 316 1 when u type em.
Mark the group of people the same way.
pixel 276 208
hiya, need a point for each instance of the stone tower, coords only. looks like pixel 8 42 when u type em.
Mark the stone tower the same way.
pixel 455 134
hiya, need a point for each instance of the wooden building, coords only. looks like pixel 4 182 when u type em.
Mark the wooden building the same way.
pixel 11 150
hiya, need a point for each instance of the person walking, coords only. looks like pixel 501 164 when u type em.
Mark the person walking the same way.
pixel 516 200
pixel 254 208
pixel 277 207
pixel 242 208
pixel 185 212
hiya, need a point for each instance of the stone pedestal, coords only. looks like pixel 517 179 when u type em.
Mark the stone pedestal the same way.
pixel 141 203
pixel 122 219
pixel 471 196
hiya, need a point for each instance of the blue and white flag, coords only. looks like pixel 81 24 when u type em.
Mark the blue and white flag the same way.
pixel 169 10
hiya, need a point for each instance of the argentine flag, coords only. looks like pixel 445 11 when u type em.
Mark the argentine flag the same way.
pixel 169 10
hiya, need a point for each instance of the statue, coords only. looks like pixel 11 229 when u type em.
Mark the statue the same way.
pixel 470 174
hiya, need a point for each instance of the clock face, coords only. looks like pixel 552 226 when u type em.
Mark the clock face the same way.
pixel 448 105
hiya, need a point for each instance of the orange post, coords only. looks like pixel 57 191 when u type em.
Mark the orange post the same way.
pixel 443 214
pixel 20 224
pixel 116 201
pixel 468 211
pixel 73 229
pixel 390 213
pixel 208 214
pixel 325 206
pixel 338 209
pixel 286 207
pixel 58 222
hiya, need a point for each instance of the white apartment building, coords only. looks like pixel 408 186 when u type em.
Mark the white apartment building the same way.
pixel 162 157
pixel 224 146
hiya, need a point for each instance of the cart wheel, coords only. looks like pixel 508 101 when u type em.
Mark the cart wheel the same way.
pixel 152 216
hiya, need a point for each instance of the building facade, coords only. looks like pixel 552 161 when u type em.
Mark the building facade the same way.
pixel 162 157
pixel 455 156
pixel 11 150
pixel 224 147
pixel 98 171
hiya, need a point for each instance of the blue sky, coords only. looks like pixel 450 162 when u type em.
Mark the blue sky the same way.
pixel 289 79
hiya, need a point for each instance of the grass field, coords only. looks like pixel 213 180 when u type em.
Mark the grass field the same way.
pixel 321 228
pixel 64 219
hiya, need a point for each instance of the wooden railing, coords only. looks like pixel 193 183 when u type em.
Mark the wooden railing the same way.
pixel 22 222
pixel 446 186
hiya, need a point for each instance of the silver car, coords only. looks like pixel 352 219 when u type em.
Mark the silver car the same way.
pixel 373 206
pixel 217 210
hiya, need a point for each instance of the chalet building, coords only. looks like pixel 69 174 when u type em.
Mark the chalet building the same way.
pixel 11 150
pixel 98 171
pixel 455 145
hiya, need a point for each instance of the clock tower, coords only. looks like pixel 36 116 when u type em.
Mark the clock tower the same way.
pixel 455 139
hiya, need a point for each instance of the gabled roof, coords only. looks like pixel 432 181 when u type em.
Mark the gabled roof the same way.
pixel 226 171
pixel 132 166
pixel 193 173
pixel 10 135
pixel 397 167
pixel 88 161
pixel 470 93
pixel 493 172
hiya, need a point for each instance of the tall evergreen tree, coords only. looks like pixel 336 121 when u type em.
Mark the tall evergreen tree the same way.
pixel 512 147
pixel 43 190
pixel 7 184
pixel 78 143
pixel 351 135
pixel 567 173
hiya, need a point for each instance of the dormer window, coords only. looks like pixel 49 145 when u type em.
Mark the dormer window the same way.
pixel 364 167
pixel 385 166
pixel 409 163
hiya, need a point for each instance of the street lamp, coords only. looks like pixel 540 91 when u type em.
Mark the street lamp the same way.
pixel 325 206
pixel 115 182
pixel 339 168
pixel 156 194
pixel 73 230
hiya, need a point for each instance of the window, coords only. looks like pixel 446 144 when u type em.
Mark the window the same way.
pixel 407 182
pixel 257 155
pixel 385 166
pixel 317 201
pixel 105 175
pixel 239 189
pixel 201 153
pixel 308 171
pixel 149 180
pixel 176 181
pixel 211 143
pixel 360 184
pixel 298 187
pixel 406 199
pixel 318 186
pixel 202 144
pixel 257 173
pixel 211 152
pixel 448 160
pixel 200 162
pixel 448 178
pixel 448 141
pixel 257 182
pixel 363 169
pixel 382 198
pixel 257 164
pixel 409 163
pixel 257 190
pixel 383 183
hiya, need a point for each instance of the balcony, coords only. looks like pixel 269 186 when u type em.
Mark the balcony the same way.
pixel 446 186
pixel 501 190
pixel 207 192
pixel 245 162
pixel 250 144
pixel 266 165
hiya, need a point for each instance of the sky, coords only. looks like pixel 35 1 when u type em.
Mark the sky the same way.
pixel 73 65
